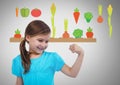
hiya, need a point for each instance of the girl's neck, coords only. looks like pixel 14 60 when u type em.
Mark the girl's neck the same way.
pixel 34 55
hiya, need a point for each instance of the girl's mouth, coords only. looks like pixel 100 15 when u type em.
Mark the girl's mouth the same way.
pixel 40 48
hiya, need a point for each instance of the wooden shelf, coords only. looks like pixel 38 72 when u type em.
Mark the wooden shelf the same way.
pixel 15 39
pixel 60 39
pixel 72 40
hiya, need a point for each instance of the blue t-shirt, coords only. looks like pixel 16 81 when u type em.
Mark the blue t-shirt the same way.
pixel 41 71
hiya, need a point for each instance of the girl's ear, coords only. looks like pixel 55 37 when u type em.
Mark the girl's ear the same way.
pixel 27 38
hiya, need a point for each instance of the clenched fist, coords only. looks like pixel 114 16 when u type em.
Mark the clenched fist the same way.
pixel 76 49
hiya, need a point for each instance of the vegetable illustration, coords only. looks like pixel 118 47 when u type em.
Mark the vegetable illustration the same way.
pixel 17 10
pixel 53 10
pixel 17 34
pixel 89 33
pixel 110 10
pixel 76 15
pixel 36 12
pixel 24 12
pixel 88 16
pixel 100 18
pixel 66 34
pixel 78 33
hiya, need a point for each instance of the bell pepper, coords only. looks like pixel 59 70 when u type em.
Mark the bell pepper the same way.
pixel 24 12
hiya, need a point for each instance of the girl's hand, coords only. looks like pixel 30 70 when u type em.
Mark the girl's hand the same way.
pixel 76 49
pixel 74 70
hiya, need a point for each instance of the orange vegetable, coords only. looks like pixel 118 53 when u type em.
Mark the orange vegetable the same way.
pixel 89 34
pixel 66 34
pixel 17 35
pixel 99 19
pixel 76 15
pixel 16 12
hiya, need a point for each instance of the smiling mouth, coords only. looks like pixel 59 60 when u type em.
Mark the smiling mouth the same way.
pixel 40 48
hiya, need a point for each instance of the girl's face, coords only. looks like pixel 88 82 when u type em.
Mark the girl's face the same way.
pixel 38 43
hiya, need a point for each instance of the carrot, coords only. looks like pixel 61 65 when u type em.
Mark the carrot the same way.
pixel 99 19
pixel 16 11
pixel 76 15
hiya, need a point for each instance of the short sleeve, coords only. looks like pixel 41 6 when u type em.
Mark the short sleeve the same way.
pixel 16 67
pixel 58 62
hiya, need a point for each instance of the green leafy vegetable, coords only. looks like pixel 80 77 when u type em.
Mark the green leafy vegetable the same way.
pixel 78 33
pixel 88 16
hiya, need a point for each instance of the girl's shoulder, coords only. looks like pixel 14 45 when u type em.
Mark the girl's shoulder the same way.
pixel 17 61
pixel 17 58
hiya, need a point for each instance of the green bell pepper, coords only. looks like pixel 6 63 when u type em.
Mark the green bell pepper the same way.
pixel 24 12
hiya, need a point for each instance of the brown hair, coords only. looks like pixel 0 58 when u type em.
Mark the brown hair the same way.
pixel 34 28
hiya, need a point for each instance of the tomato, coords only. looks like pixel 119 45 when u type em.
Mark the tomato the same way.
pixel 36 12
pixel 89 34
pixel 17 35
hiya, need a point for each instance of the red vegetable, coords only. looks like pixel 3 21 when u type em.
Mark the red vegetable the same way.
pixel 99 19
pixel 76 15
pixel 89 34
pixel 17 35
pixel 36 12
pixel 66 35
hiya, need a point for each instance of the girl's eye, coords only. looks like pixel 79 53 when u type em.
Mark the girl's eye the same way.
pixel 43 41
pixel 46 41
pixel 40 40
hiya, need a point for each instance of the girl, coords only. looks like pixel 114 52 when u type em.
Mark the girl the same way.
pixel 36 66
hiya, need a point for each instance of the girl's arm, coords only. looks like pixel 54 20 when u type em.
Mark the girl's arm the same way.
pixel 74 70
pixel 19 81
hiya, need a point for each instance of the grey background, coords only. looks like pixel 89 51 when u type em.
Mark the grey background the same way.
pixel 101 64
